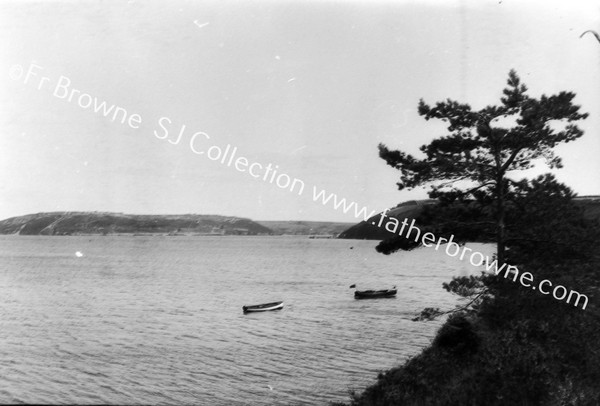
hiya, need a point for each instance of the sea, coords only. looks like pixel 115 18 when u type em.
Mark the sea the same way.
pixel 158 319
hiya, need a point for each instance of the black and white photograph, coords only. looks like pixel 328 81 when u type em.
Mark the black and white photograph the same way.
pixel 300 202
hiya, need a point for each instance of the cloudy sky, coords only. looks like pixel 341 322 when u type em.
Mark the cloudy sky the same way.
pixel 310 87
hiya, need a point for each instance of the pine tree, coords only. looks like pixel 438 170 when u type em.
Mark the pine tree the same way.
pixel 482 147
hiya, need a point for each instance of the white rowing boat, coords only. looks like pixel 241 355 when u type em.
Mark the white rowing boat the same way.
pixel 263 307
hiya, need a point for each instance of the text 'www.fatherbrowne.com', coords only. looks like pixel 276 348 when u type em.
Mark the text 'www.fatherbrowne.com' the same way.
pixel 476 258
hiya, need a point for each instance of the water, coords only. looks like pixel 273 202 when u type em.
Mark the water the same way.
pixel 148 320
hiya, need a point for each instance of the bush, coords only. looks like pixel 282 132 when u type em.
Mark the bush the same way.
pixel 457 335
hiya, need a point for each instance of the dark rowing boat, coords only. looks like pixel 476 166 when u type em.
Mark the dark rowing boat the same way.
pixel 374 294
pixel 263 307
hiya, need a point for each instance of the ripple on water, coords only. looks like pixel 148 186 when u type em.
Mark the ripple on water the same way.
pixel 159 320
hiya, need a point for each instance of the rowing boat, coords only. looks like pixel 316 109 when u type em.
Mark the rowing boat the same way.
pixel 374 294
pixel 263 307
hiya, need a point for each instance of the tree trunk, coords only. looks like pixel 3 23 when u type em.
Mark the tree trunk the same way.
pixel 500 232
pixel 499 208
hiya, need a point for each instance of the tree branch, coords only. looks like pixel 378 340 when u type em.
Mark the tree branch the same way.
pixel 510 160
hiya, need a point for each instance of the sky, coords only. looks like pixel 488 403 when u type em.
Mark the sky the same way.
pixel 308 87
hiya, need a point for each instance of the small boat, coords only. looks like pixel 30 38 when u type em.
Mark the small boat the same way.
pixel 263 307
pixel 374 294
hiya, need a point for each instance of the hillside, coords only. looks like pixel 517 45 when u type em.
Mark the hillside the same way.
pixel 590 204
pixel 305 227
pixel 365 230
pixel 76 223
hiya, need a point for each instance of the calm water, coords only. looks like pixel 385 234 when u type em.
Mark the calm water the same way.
pixel 141 320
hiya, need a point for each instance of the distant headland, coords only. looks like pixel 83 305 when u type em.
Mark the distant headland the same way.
pixel 107 223
pixel 369 230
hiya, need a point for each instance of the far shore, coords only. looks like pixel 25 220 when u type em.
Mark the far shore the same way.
pixel 311 236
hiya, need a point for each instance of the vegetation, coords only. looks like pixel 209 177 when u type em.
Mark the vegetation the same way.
pixel 510 345
pixel 370 231
pixel 483 146
pixel 74 223
pixel 305 227
pixel 463 219
pixel 514 345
